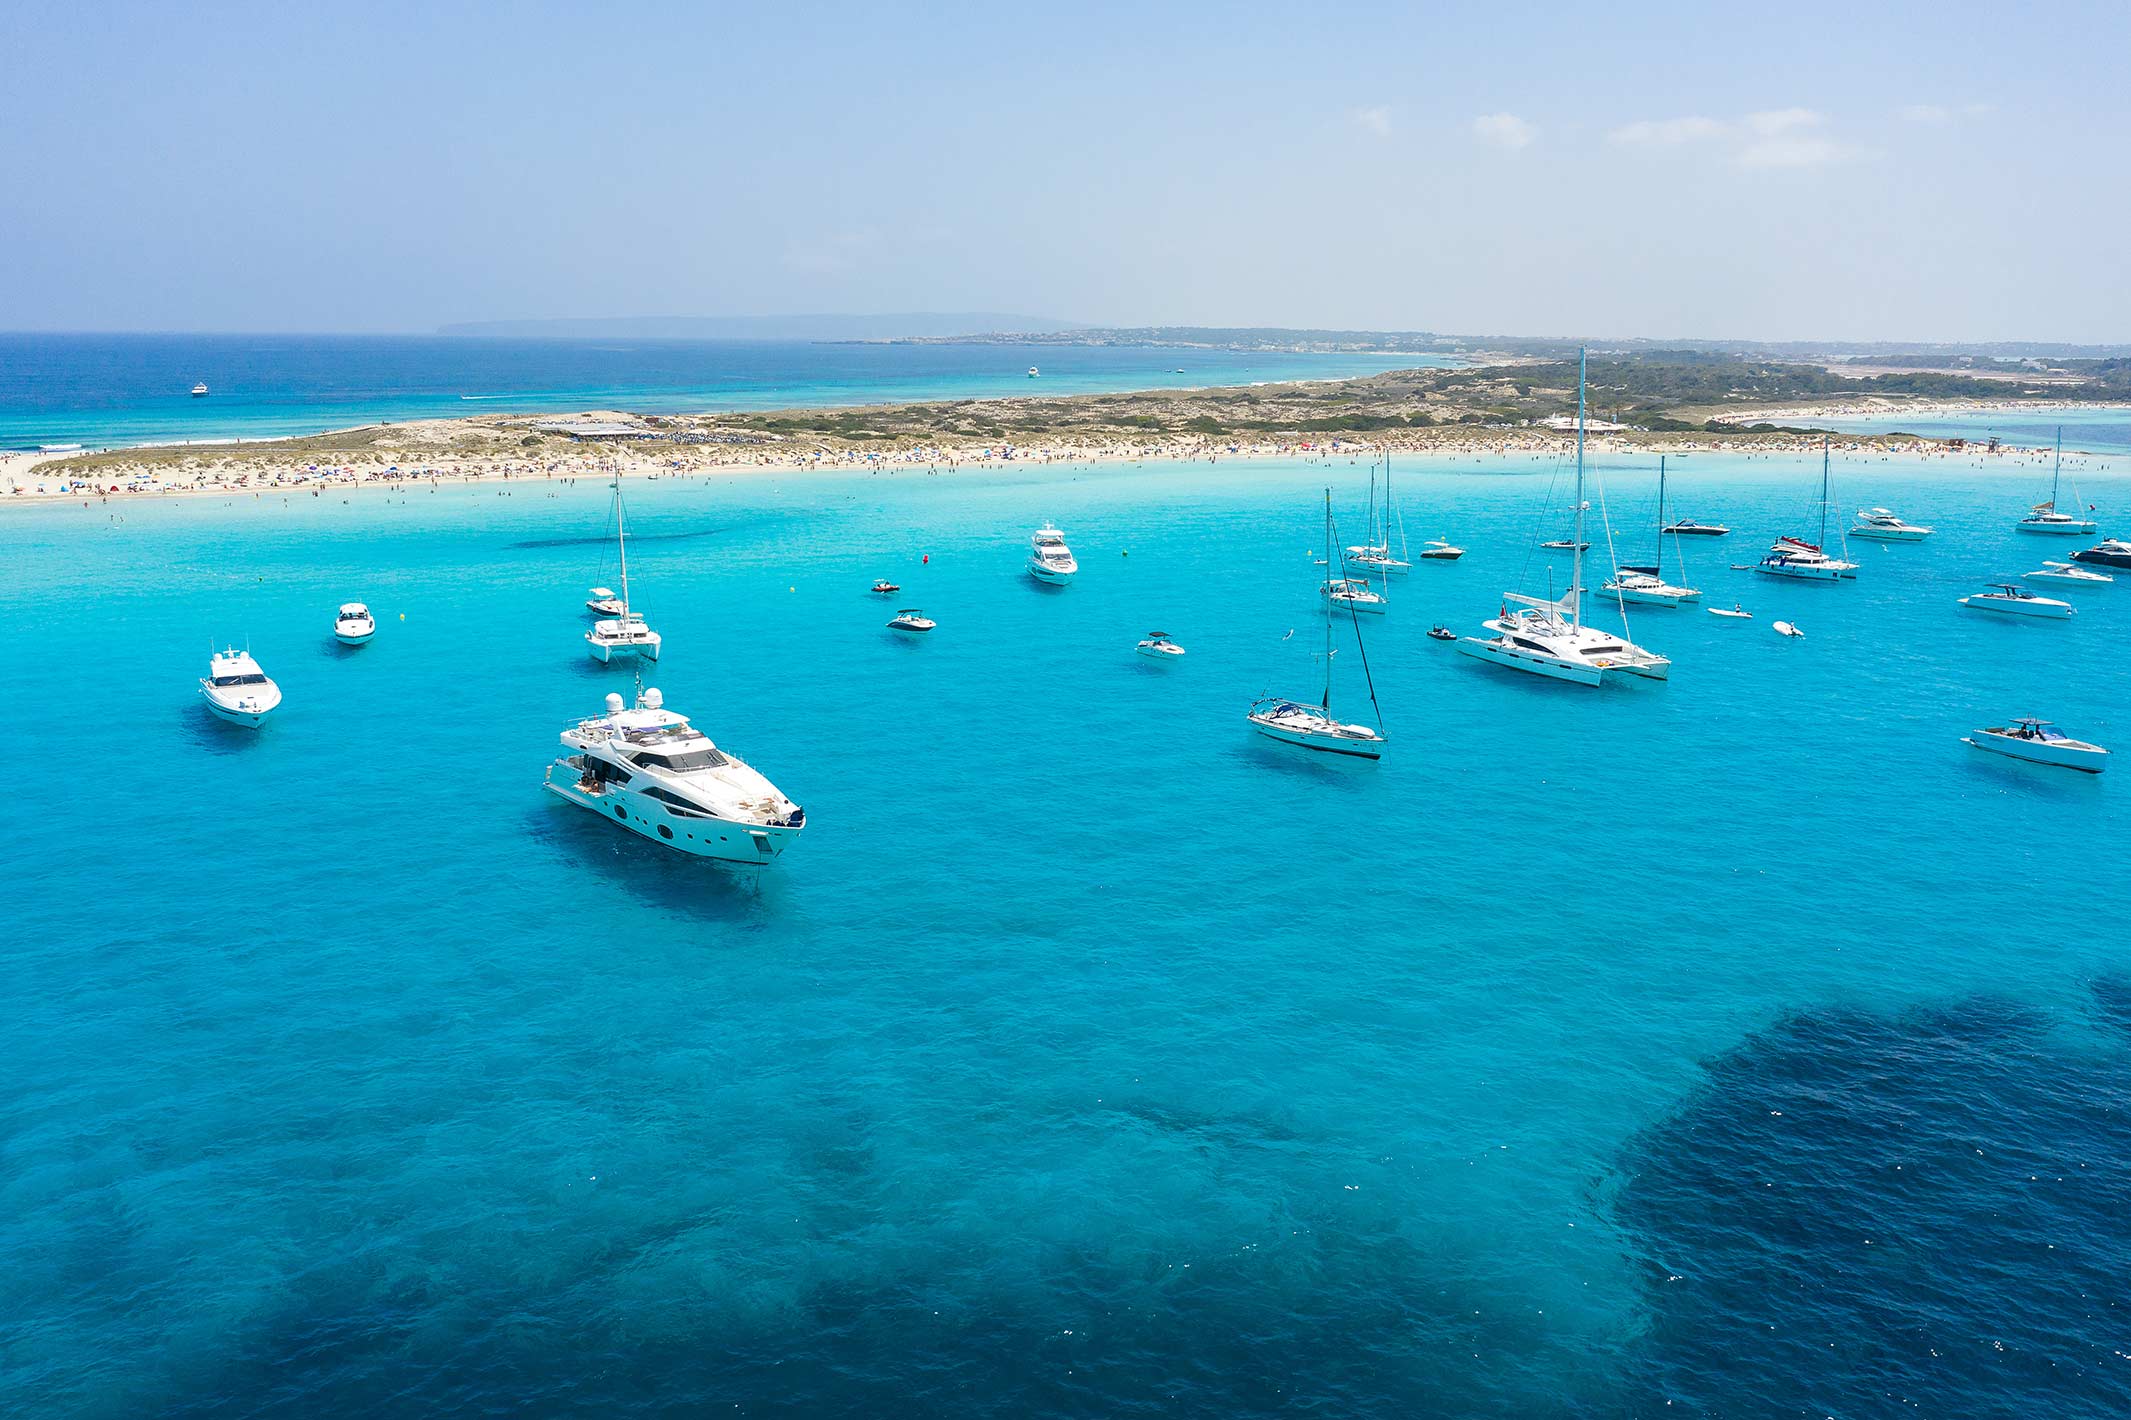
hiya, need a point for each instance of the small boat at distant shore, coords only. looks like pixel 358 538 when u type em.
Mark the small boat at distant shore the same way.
pixel 199 391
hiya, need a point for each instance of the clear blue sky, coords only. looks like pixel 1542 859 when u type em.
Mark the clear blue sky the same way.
pixel 1925 171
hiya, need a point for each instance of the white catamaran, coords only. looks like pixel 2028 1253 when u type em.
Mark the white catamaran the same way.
pixel 1548 637
pixel 2046 517
pixel 1804 561
pixel 627 634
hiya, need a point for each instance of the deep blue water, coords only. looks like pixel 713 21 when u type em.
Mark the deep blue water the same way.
pixel 133 389
pixel 1088 1056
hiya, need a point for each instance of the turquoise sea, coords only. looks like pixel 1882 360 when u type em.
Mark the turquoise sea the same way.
pixel 106 390
pixel 1743 1045
pixel 2103 430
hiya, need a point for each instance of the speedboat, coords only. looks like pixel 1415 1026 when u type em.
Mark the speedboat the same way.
pixel 2070 573
pixel 1049 558
pixel 603 602
pixel 886 588
pixel 1688 527
pixel 2109 552
pixel 236 689
pixel 1879 525
pixel 353 624
pixel 1794 557
pixel 1441 633
pixel 1350 594
pixel 1549 638
pixel 199 391
pixel 1437 550
pixel 911 619
pixel 2040 742
pixel 1158 645
pixel 1312 727
pixel 1034 372
pixel 1633 585
pixel 1565 544
pixel 2016 600
pixel 1735 611
pixel 653 773
pixel 626 635
pixel 1378 560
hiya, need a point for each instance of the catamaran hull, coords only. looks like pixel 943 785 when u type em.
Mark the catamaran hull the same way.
pixel 605 654
pixel 1517 658
pixel 2054 529
pixel 748 844
pixel 1808 574
pixel 2042 752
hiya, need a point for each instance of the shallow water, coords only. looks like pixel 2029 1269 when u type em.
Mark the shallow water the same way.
pixel 1088 1055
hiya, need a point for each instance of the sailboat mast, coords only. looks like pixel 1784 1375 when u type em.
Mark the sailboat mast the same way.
pixel 1583 359
pixel 1660 517
pixel 1823 490
pixel 621 543
pixel 1326 703
pixel 2057 466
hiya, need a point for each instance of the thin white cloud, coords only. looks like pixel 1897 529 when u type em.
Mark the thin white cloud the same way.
pixel 1926 113
pixel 1505 130
pixel 1374 120
pixel 1667 132
pixel 1770 138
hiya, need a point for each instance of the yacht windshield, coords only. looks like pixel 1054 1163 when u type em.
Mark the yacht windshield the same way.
pixel 253 679
pixel 683 760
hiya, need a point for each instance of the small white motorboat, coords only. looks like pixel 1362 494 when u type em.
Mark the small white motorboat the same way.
pixel 2040 742
pixel 1034 372
pixel 353 624
pixel 603 602
pixel 236 689
pixel 1734 610
pixel 1438 550
pixel 910 618
pixel 1050 560
pixel 1784 628
pixel 886 588
pixel 1158 645
pixel 2011 600
pixel 199 391
pixel 2070 573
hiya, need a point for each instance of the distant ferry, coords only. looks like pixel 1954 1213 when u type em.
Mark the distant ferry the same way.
pixel 199 391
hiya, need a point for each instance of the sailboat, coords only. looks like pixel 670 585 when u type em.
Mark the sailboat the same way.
pixel 2044 517
pixel 1548 637
pixel 1806 561
pixel 626 634
pixel 1631 583
pixel 1313 726
pixel 1374 556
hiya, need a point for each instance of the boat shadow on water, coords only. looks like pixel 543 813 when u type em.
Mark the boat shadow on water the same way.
pixel 1311 765
pixel 701 888
pixel 205 731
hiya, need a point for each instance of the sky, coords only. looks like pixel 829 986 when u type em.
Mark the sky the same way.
pixel 1950 171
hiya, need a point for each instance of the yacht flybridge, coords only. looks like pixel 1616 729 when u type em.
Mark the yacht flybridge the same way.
pixel 1314 727
pixel 1050 560
pixel 656 775
pixel 236 689
pixel 1804 561
pixel 1647 584
pixel 1879 525
pixel 625 633
pixel 1548 637
pixel 2047 517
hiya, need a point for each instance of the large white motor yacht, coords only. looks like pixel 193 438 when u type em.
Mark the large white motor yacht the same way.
pixel 2012 600
pixel 2040 742
pixel 1050 560
pixel 237 690
pixel 656 775
pixel 1548 638
pixel 353 624
pixel 1879 525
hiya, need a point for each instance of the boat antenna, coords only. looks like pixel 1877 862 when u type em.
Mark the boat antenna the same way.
pixel 1583 357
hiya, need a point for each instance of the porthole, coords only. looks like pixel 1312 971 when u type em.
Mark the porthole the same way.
pixel 620 812
pixel 665 832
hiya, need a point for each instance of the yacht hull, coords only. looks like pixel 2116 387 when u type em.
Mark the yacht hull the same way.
pixel 354 638
pixel 1516 658
pixel 230 714
pixel 1648 598
pixel 2098 558
pixel 1340 608
pixel 1322 744
pixel 2057 529
pixel 1808 573
pixel 1050 576
pixel 2048 610
pixel 724 840
pixel 2087 761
